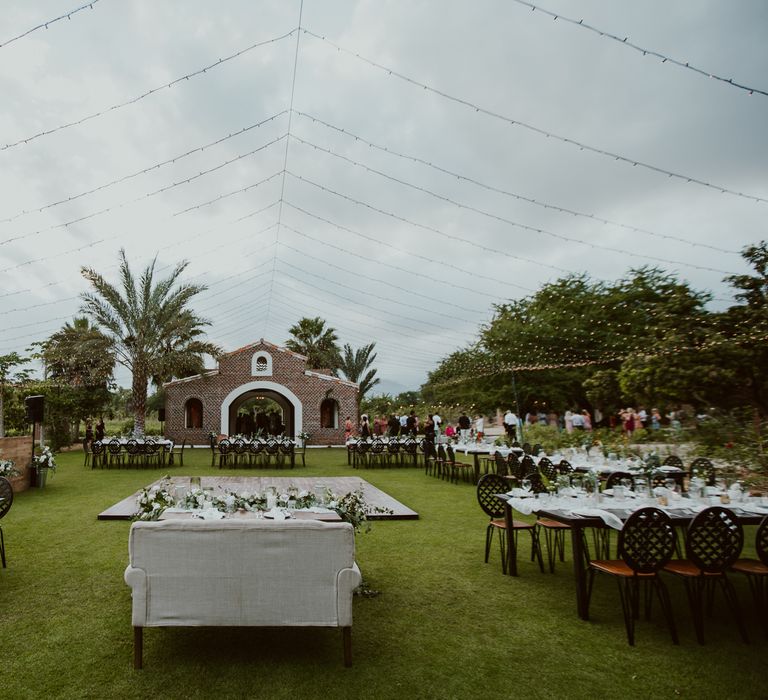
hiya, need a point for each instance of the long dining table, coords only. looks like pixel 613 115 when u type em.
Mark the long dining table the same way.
pixel 582 513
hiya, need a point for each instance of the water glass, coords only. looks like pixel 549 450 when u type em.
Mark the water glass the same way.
pixel 526 483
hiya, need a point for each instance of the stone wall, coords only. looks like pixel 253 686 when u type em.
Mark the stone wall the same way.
pixel 236 372
pixel 19 450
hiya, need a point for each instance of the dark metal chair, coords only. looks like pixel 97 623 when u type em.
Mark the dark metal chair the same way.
pixel 116 453
pixel 501 466
pixel 756 571
pixel 255 451
pixel 134 452
pixel 287 451
pixel 99 454
pixel 6 501
pixel 704 468
pixel 712 545
pixel 463 469
pixel 378 453
pixel 548 469
pixel 410 451
pixel 225 452
pixel 487 487
pixel 673 461
pixel 176 455
pixel 393 452
pixel 646 544
pixel 565 467
pixel 616 477
pixel 239 451
pixel 152 453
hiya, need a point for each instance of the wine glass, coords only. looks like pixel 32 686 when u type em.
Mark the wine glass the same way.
pixel 526 485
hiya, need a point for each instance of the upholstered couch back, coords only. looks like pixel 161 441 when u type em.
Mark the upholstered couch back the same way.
pixel 242 573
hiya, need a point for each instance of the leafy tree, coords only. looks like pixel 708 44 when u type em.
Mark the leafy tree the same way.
pixel 153 331
pixel 8 374
pixel 311 337
pixel 356 367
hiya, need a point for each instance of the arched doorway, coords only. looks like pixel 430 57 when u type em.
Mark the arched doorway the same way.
pixel 281 408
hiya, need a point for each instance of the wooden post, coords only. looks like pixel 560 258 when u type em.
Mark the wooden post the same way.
pixel 347 639
pixel 138 640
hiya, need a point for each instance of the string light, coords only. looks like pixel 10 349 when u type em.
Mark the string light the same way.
pixel 474 244
pixel 507 193
pixel 535 129
pixel 143 171
pixel 49 22
pixel 501 219
pixel 140 97
pixel 646 52
pixel 228 194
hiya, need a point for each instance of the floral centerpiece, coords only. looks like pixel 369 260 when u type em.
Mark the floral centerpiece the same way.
pixel 153 501
pixel 351 507
pixel 304 438
pixel 8 468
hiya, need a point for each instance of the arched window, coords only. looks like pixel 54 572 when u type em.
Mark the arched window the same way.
pixel 329 413
pixel 193 413
pixel 261 364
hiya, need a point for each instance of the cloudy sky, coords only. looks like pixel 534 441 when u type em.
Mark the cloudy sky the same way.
pixel 425 171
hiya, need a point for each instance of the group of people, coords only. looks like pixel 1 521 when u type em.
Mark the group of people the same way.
pixel 97 434
pixel 411 424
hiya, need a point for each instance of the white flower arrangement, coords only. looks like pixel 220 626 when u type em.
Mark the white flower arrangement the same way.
pixel 45 460
pixel 351 507
pixel 8 468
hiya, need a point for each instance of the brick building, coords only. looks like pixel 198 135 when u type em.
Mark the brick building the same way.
pixel 227 400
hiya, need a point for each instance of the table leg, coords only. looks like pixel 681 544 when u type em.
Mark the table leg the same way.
pixel 477 466
pixel 511 543
pixel 579 571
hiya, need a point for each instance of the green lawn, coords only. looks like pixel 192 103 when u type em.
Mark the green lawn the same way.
pixel 446 625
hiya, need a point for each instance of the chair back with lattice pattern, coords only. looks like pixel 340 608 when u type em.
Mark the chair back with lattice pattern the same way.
pixel 97 448
pixel 151 447
pixel 659 478
pixel 225 446
pixel 616 477
pixel 714 540
pixel 393 446
pixel 410 446
pixel 377 446
pixel 647 540
pixel 441 454
pixel 705 470
pixel 536 450
pixel 527 465
pixel 564 467
pixel 548 469
pixel 537 483
pixel 114 446
pixel 673 461
pixel 239 446
pixel 527 448
pixel 430 452
pixel 286 446
pixel 256 446
pixel 132 447
pixel 451 453
pixel 6 494
pixel 487 488
pixel 761 541
pixel 500 463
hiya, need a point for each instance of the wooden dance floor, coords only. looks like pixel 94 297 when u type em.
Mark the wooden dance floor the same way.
pixel 340 485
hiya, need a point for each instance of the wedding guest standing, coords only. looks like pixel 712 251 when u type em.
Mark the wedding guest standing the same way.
pixel 393 425
pixel 100 428
pixel 347 429
pixel 365 428
pixel 510 424
pixel 586 418
pixel 568 421
pixel 464 425
pixel 479 426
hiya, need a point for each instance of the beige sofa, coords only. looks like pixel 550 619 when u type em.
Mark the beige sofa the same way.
pixel 242 572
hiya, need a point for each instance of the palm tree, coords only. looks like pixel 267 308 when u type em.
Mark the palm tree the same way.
pixel 78 354
pixel 153 332
pixel 310 337
pixel 356 366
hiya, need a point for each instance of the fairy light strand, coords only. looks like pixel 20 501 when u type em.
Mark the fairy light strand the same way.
pixel 535 129
pixel 624 41
pixel 152 91
pixel 49 22
pixel 507 193
pixel 502 219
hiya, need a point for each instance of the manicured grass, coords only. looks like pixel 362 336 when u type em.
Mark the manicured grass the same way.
pixel 446 625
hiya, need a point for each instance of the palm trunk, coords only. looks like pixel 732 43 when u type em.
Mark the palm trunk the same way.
pixel 2 411
pixel 139 389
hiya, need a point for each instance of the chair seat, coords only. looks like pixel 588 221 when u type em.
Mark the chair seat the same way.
pixel 753 567
pixel 683 567
pixel 616 567
pixel 516 524
pixel 546 522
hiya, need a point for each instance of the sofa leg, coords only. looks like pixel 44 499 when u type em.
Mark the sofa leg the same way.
pixel 138 643
pixel 347 638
